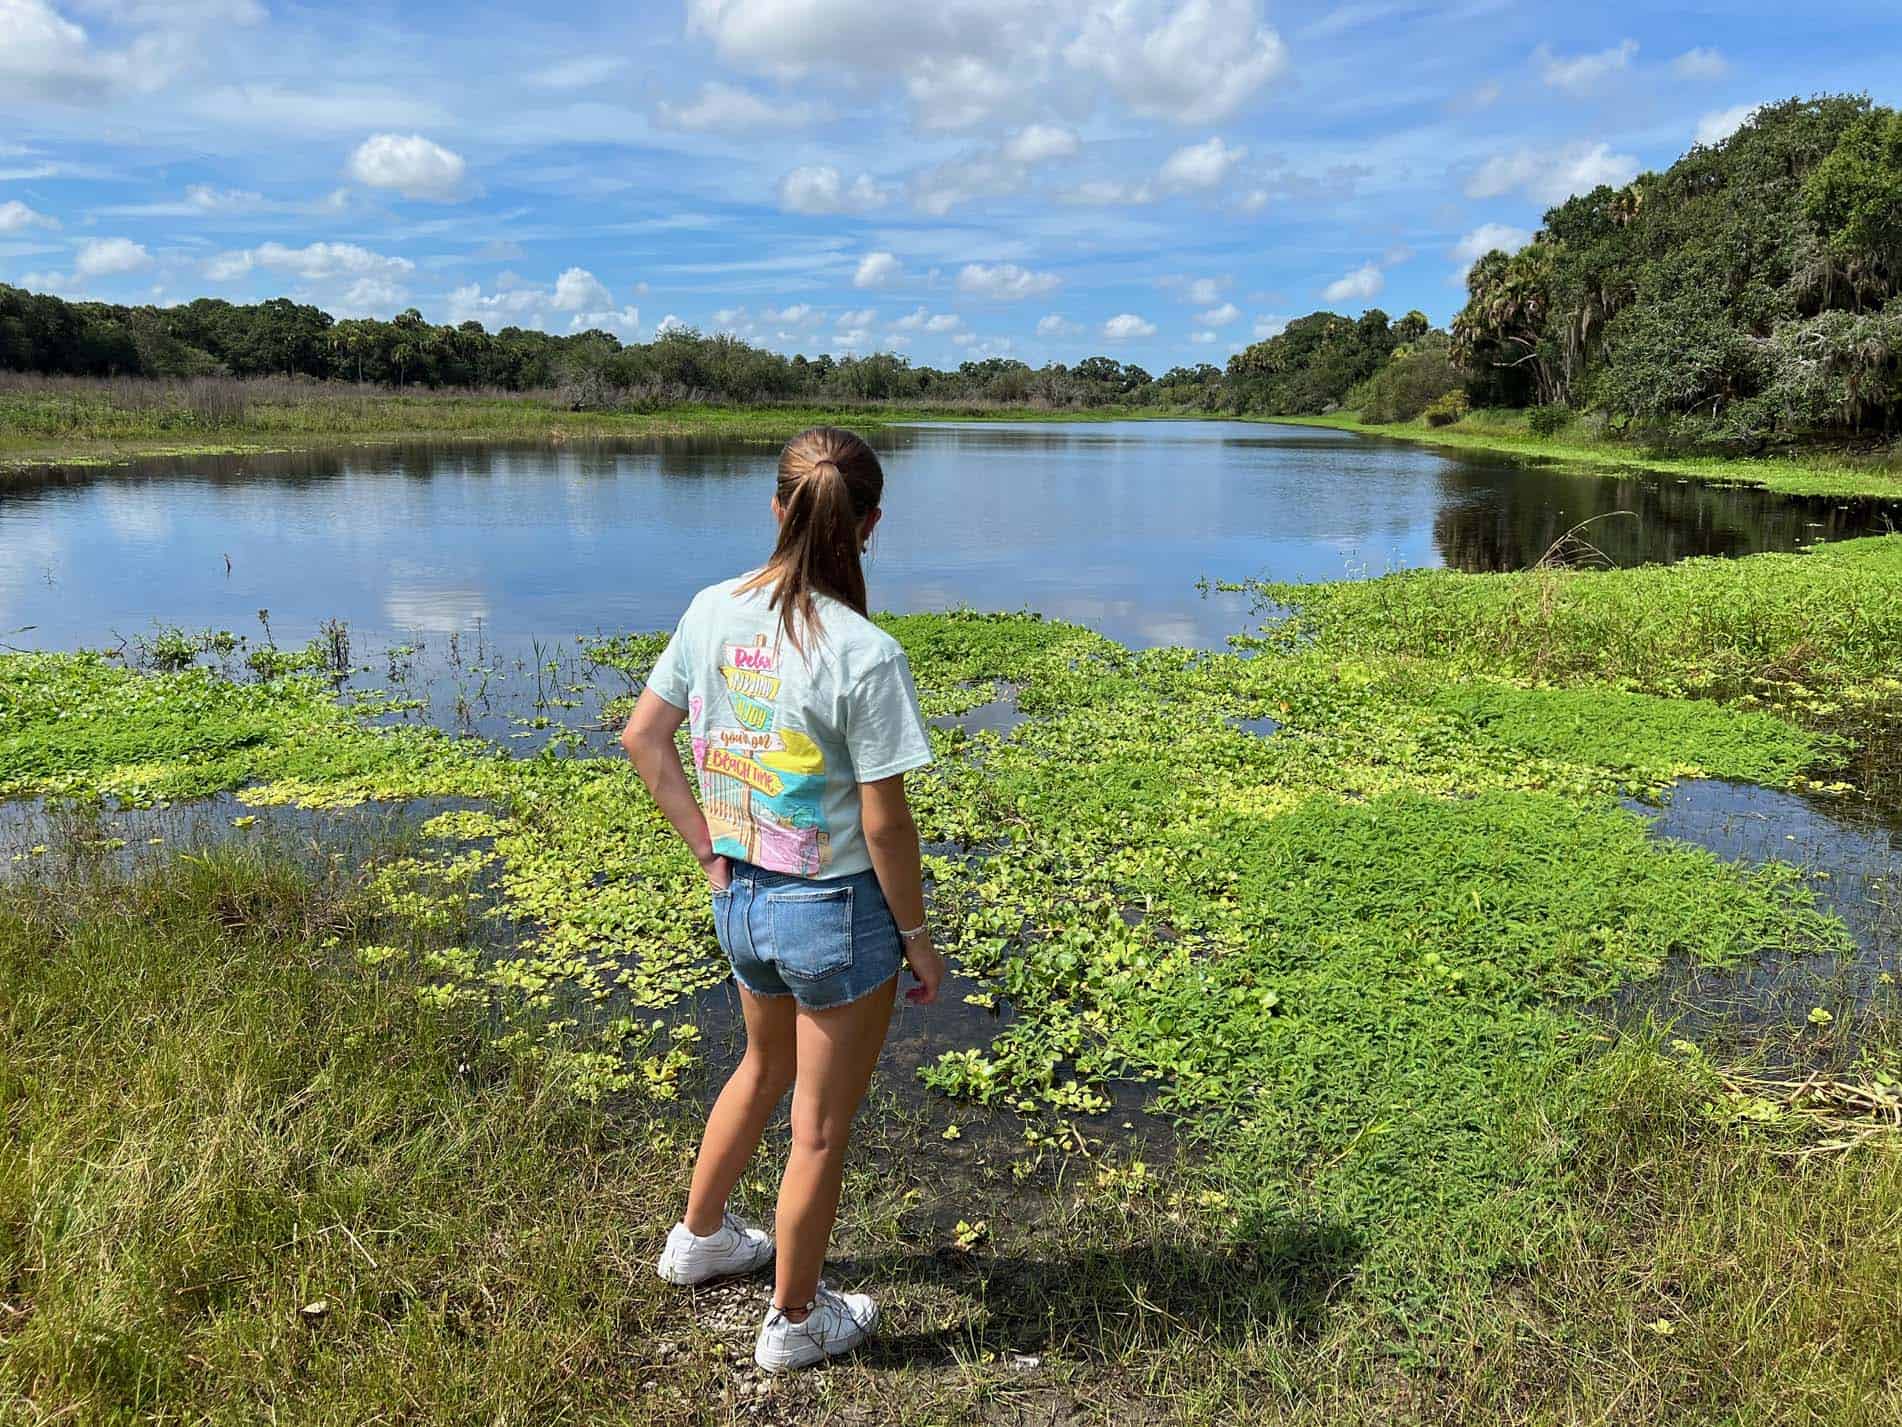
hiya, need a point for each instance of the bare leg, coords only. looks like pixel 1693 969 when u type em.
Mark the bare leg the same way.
pixel 837 1050
pixel 738 1117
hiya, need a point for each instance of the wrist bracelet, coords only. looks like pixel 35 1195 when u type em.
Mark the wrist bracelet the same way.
pixel 915 932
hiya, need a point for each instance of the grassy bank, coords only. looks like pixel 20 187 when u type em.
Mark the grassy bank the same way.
pixel 84 421
pixel 247 1176
pixel 1506 433
pixel 1360 965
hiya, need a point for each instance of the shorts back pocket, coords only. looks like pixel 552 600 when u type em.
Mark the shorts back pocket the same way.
pixel 811 931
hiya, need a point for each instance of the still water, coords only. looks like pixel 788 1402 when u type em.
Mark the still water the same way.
pixel 1110 524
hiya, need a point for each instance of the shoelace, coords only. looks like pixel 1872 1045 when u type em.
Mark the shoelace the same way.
pixel 825 1294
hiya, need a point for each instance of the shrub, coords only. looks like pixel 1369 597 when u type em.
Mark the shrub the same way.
pixel 1411 381
pixel 1448 409
pixel 1548 421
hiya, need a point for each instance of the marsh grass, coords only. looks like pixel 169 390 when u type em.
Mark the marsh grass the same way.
pixel 1507 432
pixel 245 1177
pixel 48 420
pixel 1802 631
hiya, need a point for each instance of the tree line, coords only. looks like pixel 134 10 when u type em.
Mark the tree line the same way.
pixel 211 337
pixel 1750 293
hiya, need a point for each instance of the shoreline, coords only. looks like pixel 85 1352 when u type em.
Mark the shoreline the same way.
pixel 118 437
pixel 1838 476
pixel 499 422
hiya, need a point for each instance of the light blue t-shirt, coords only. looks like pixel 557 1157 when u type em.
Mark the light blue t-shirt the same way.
pixel 781 739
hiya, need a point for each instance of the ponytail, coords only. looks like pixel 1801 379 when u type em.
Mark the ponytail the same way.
pixel 829 482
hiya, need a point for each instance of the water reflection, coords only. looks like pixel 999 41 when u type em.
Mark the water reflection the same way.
pixel 1112 524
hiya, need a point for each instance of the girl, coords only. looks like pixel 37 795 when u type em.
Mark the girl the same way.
pixel 804 723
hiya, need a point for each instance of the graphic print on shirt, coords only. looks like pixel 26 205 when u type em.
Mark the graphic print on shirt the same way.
pixel 762 786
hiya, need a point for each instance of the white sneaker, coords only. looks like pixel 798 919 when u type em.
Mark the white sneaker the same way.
pixel 736 1247
pixel 838 1323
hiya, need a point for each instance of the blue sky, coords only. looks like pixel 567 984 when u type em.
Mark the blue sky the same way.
pixel 950 179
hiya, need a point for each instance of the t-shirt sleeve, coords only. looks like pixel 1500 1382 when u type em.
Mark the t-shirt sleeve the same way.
pixel 884 729
pixel 672 677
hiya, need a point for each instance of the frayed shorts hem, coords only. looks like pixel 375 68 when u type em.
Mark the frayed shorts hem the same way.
pixel 805 1005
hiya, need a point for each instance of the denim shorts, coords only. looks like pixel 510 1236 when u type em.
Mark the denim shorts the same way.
pixel 822 941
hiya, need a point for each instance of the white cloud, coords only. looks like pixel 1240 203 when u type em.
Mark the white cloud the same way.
pixel 1203 337
pixel 821 188
pixel 1487 237
pixel 949 185
pixel 921 319
pixel 725 108
pixel 206 199
pixel 1109 193
pixel 41 51
pixel 315 262
pixel 1253 201
pixel 957 91
pixel 976 347
pixel 1005 282
pixel 196 12
pixel 1193 62
pixel 799 314
pixel 410 165
pixel 581 72
pixel 623 322
pixel 16 217
pixel 1040 143
pixel 669 323
pixel 876 269
pixel 1219 316
pixel 1056 325
pixel 1361 285
pixel 1715 128
pixel 578 290
pixel 44 55
pixel 1126 327
pixel 1200 165
pixel 528 305
pixel 1583 75
pixel 1552 176
pixel 110 257
pixel 513 307
pixel 1204 290
pixel 1270 324
pixel 1700 63
pixel 858 317
pixel 963 62
pixel 958 59
pixel 368 297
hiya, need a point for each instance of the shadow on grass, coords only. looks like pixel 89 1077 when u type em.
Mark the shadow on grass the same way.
pixel 1104 1302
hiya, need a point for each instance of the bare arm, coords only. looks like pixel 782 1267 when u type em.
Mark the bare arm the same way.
pixel 892 839
pixel 649 741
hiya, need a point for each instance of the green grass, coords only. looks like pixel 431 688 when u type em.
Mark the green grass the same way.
pixel 256 1165
pixel 243 1176
pixel 81 422
pixel 1505 432
pixel 1802 631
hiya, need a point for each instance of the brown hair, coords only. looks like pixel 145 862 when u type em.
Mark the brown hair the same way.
pixel 829 481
